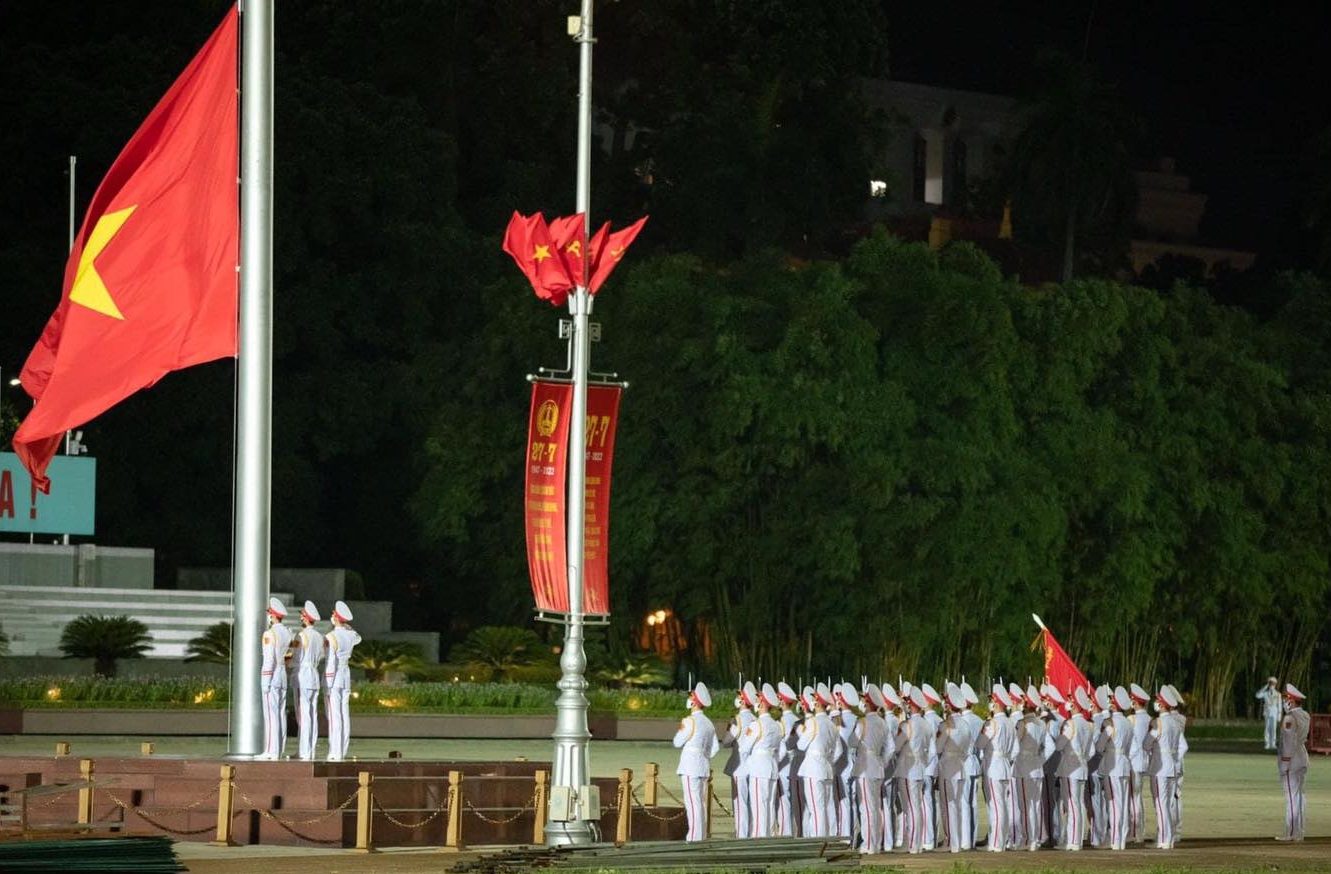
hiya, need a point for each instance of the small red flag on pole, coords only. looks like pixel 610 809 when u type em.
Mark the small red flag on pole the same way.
pixel 1059 668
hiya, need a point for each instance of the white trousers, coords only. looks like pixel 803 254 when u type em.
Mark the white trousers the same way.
pixel 787 807
pixel 818 804
pixel 695 806
pixel 1163 789
pixel 1000 813
pixel 869 807
pixel 274 719
pixel 1030 809
pixel 1099 811
pixel 742 802
pixel 930 813
pixel 956 819
pixel 1136 832
pixel 1117 792
pixel 913 812
pixel 887 800
pixel 1293 786
pixel 1074 812
pixel 339 722
pixel 1272 726
pixel 307 718
pixel 762 803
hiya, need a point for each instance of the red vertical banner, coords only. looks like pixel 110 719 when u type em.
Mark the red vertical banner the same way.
pixel 544 493
pixel 602 416
pixel 1060 669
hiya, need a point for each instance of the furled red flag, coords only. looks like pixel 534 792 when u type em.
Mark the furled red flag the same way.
pixel 529 241
pixel 150 285
pixel 1059 668
pixel 607 253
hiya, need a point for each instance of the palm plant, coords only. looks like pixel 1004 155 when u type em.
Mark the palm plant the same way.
pixel 377 657
pixel 213 646
pixel 499 649
pixel 636 670
pixel 105 639
pixel 1070 170
pixel 4 643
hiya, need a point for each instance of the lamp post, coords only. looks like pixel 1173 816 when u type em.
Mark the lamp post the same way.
pixel 570 820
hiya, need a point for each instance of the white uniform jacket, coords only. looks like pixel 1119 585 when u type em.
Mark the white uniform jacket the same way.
pixel 817 740
pixel 697 743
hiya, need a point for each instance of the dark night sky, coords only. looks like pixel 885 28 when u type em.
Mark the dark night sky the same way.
pixel 1233 91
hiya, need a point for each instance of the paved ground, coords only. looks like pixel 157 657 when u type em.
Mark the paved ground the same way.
pixel 1233 806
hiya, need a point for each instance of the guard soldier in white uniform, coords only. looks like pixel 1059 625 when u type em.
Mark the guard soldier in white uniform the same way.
pixel 915 742
pixel 892 706
pixel 1116 767
pixel 845 699
pixel 871 734
pixel 998 770
pixel 1075 745
pixel 697 743
pixel 735 766
pixel 762 739
pixel 931 699
pixel 309 652
pixel 788 803
pixel 1293 761
pixel 273 684
pixel 956 746
pixel 972 769
pixel 1028 773
pixel 817 740
pixel 1164 746
pixel 1140 757
pixel 1269 695
pixel 337 674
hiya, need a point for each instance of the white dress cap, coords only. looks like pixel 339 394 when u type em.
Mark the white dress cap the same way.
pixel 1139 694
pixel 276 608
pixel 311 611
pixel 1083 700
pixel 930 694
pixel 971 698
pixel 874 694
pixel 1018 697
pixel 849 695
pixel 1122 700
pixel 704 697
pixel 824 694
pixel 1001 695
pixel 769 696
pixel 1293 692
pixel 955 698
pixel 1033 695
pixel 749 693
pixel 1102 697
pixel 917 698
pixel 342 611
pixel 783 689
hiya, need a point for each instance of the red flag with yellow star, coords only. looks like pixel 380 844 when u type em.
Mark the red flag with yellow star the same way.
pixel 151 283
pixel 529 241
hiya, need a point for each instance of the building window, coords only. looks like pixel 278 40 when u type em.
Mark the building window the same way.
pixel 958 191
pixel 920 168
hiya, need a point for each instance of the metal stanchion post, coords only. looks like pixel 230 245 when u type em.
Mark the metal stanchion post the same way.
pixel 365 814
pixel 226 788
pixel 710 795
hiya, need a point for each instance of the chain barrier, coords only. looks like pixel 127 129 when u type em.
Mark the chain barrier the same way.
pixel 656 816
pixel 267 813
pixel 530 805
pixel 137 811
pixel 719 804
pixel 673 797
pixel 56 796
pixel 406 825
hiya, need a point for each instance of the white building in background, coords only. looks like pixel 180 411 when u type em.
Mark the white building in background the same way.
pixel 1169 215
pixel 943 139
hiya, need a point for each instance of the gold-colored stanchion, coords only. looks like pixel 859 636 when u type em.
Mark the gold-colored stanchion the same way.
pixel 453 838
pixel 650 783
pixel 226 788
pixel 62 748
pixel 85 794
pixel 539 799
pixel 710 796
pixel 365 814
pixel 146 748
pixel 624 823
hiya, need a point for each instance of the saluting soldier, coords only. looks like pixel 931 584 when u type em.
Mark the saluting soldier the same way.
pixel 1140 758
pixel 273 681
pixel 956 746
pixel 868 772
pixel 337 674
pixel 697 743
pixel 1075 745
pixel 789 810
pixel 1269 695
pixel 310 651
pixel 1163 745
pixel 817 740
pixel 1028 773
pixel 1292 755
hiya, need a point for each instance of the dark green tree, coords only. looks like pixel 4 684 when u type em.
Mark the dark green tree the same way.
pixel 105 640
pixel 213 646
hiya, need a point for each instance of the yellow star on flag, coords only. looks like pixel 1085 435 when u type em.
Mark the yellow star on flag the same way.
pixel 88 289
pixel 541 253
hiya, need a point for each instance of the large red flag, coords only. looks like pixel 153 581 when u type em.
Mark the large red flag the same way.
pixel 530 243
pixel 150 285
pixel 1059 668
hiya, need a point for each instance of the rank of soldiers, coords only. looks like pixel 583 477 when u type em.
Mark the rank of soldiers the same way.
pixel 907 769
pixel 307 648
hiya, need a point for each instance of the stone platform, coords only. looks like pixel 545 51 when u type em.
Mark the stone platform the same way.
pixel 307 803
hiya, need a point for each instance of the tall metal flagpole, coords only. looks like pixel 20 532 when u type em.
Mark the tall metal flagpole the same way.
pixel 253 477
pixel 570 777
